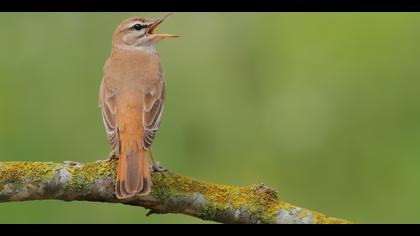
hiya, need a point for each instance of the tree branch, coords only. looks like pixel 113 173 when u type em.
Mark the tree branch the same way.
pixel 171 193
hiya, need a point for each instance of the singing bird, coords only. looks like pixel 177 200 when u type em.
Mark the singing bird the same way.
pixel 131 98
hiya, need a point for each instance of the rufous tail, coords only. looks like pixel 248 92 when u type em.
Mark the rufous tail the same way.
pixel 133 174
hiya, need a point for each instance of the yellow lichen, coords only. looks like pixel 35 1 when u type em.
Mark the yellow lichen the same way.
pixel 263 205
pixel 259 202
pixel 319 218
pixel 36 170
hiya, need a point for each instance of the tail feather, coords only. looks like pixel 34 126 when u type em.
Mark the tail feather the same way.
pixel 134 181
pixel 133 175
pixel 120 189
pixel 147 182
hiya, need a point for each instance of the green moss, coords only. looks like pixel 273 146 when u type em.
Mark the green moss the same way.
pixel 92 171
pixel 27 174
pixel 95 170
pixel 262 205
pixel 84 175
pixel 37 171
pixel 257 202
pixel 164 186
pixel 319 218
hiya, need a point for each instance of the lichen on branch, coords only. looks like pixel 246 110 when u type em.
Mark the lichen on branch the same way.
pixel 171 193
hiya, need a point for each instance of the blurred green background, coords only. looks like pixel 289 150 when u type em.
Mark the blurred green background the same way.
pixel 324 107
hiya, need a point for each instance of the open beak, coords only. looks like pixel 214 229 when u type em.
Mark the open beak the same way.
pixel 155 24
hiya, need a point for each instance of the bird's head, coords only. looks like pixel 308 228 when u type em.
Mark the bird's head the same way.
pixel 137 33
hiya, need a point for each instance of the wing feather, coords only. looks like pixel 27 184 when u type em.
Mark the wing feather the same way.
pixel 108 105
pixel 154 102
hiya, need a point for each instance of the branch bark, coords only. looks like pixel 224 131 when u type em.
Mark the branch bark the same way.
pixel 171 193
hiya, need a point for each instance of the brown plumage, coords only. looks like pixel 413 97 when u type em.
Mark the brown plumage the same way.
pixel 132 96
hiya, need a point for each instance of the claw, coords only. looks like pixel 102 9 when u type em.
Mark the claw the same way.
pixel 157 168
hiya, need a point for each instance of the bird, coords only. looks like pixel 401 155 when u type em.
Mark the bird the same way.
pixel 131 99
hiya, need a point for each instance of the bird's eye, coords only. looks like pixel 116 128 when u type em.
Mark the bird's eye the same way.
pixel 138 27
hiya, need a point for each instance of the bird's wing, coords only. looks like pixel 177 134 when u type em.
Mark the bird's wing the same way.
pixel 154 100
pixel 108 105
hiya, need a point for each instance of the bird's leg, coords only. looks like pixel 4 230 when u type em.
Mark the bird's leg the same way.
pixel 112 156
pixel 156 166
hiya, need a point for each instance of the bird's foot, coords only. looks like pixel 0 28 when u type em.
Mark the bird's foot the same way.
pixel 157 168
pixel 112 156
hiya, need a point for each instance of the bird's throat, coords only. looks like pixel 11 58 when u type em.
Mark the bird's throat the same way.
pixel 151 49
